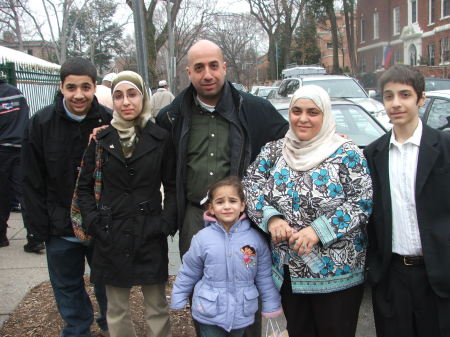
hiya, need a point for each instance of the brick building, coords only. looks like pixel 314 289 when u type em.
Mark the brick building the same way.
pixel 413 32
pixel 325 42
pixel 39 48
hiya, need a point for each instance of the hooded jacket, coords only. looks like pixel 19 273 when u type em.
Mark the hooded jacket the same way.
pixel 227 271
pixel 253 123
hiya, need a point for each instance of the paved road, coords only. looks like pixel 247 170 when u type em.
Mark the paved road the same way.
pixel 20 271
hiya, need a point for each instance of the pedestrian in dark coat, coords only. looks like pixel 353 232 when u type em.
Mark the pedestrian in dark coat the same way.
pixel 130 226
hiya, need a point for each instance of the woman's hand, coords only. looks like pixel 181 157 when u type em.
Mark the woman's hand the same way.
pixel 95 131
pixel 304 240
pixel 279 229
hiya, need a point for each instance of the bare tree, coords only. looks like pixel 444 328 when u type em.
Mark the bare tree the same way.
pixel 62 32
pixel 236 34
pixel 268 13
pixel 10 19
pixel 349 14
pixel 192 19
pixel 156 38
pixel 278 18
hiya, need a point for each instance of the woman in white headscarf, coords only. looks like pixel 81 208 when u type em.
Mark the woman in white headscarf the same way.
pixel 312 192
pixel 128 225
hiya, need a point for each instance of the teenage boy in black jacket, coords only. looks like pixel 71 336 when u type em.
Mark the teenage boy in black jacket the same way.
pixel 52 149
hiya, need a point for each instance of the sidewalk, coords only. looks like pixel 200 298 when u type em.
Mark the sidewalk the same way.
pixel 20 272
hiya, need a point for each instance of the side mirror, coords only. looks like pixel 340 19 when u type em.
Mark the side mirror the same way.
pixel 372 93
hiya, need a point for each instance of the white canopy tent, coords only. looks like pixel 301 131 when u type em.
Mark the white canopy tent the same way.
pixel 12 55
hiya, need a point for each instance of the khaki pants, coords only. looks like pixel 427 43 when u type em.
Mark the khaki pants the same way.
pixel 156 311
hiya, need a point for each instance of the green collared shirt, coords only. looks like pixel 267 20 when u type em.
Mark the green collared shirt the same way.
pixel 208 153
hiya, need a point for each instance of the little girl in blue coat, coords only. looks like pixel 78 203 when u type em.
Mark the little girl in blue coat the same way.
pixel 228 266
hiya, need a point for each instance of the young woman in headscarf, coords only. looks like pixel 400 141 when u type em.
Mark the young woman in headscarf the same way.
pixel 129 226
pixel 312 192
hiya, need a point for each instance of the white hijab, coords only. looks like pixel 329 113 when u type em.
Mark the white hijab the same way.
pixel 305 155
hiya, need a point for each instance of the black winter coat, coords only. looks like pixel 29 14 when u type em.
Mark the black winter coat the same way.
pixel 14 113
pixel 254 123
pixel 129 226
pixel 52 148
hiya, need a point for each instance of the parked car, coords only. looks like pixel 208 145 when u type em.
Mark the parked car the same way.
pixel 273 94
pixel 239 86
pixel 436 110
pixel 338 86
pixel 256 87
pixel 263 91
pixel 351 120
pixel 432 84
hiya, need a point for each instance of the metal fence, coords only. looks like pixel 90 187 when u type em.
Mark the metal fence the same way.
pixel 38 84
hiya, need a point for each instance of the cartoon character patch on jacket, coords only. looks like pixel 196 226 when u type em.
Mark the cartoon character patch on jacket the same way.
pixel 249 256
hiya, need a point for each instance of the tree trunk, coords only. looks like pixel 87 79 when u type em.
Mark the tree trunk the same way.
pixel 332 16
pixel 348 11
pixel 272 71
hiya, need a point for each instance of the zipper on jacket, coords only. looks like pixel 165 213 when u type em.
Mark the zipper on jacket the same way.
pixel 240 170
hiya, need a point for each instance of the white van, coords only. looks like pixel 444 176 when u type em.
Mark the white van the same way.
pixel 299 71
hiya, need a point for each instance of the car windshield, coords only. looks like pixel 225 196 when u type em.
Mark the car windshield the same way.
pixel 353 122
pixel 339 88
pixel 263 92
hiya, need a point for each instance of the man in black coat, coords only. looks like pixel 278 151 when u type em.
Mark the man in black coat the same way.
pixel 409 231
pixel 218 131
pixel 13 120
pixel 14 114
pixel 53 145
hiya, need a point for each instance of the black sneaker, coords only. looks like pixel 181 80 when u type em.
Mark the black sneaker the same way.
pixel 4 243
pixel 34 247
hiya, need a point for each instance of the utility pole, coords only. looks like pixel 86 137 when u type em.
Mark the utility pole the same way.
pixel 172 59
pixel 141 43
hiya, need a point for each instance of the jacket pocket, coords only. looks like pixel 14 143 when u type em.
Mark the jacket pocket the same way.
pixel 250 302
pixel 205 302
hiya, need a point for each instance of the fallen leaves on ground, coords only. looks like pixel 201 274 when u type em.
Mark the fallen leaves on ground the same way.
pixel 37 316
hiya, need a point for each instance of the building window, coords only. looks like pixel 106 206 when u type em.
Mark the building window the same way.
pixel 397 57
pixel 362 63
pixel 431 11
pixel 396 18
pixel 363 30
pixel 30 51
pixel 445 8
pixel 445 50
pixel 413 11
pixel 377 61
pixel 329 45
pixel 431 54
pixel 376 25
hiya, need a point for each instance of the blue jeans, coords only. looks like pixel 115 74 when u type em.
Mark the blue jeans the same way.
pixel 215 331
pixel 66 261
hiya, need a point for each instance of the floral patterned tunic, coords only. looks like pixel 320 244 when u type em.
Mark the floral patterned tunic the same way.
pixel 335 198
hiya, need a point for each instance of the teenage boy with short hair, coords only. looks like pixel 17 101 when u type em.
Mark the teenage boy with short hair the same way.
pixel 53 145
pixel 409 231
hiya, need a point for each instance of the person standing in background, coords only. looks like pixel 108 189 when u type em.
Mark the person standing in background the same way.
pixel 161 97
pixel 103 91
pixel 14 114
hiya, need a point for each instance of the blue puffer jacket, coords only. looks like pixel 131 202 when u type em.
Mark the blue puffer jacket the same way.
pixel 229 272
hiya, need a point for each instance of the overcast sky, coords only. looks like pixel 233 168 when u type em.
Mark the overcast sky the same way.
pixel 236 6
